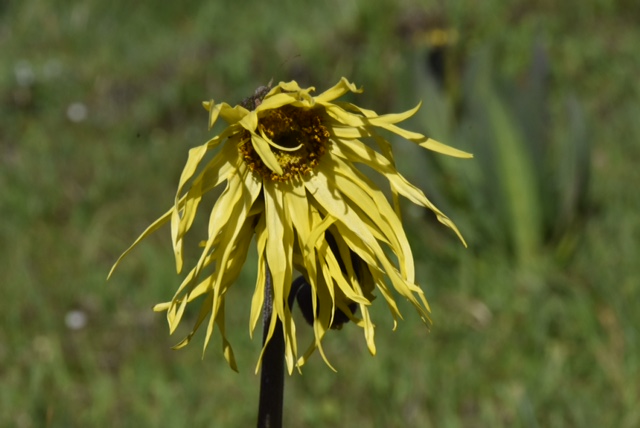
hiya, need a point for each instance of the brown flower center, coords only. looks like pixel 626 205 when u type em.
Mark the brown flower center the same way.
pixel 297 129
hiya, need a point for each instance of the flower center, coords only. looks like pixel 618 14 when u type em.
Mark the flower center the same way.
pixel 299 140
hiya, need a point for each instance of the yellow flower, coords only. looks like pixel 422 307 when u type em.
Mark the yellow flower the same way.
pixel 288 163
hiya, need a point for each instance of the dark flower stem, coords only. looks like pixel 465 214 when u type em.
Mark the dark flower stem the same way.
pixel 272 371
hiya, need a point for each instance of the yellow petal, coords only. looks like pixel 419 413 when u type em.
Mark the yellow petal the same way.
pixel 279 147
pixel 264 151
pixel 232 268
pixel 318 187
pixel 387 122
pixel 321 191
pixel 222 212
pixel 227 351
pixel 356 151
pixel 279 261
pixel 148 231
pixel 250 121
pixel 233 115
pixel 344 117
pixel 355 108
pixel 393 117
pixel 267 338
pixel 174 316
pixel 214 173
pixel 230 114
pixel 349 132
pixel 292 86
pixel 427 143
pixel 333 269
pixel 257 299
pixel 341 88
pixel 388 297
pixel 369 330
pixel 276 101
pixel 195 156
pixel 205 308
pixel 303 221
pixel 372 201
pixel 234 203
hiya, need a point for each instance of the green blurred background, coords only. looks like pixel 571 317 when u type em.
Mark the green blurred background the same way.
pixel 535 324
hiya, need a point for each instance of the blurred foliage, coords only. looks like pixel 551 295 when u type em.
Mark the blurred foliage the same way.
pixel 535 323
pixel 532 168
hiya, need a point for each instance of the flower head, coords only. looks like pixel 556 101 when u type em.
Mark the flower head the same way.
pixel 287 161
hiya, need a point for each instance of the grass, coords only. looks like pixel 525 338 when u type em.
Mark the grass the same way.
pixel 549 339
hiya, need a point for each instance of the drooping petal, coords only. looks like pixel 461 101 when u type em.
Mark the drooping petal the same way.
pixel 427 143
pixel 230 114
pixel 205 309
pixel 251 187
pixel 359 189
pixel 302 219
pixel 321 190
pixel 215 172
pixel 279 259
pixel 263 148
pixel 356 151
pixel 250 121
pixel 224 247
pixel 276 101
pixel 291 86
pixel 257 299
pixel 279 147
pixel 341 88
pixel 148 231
